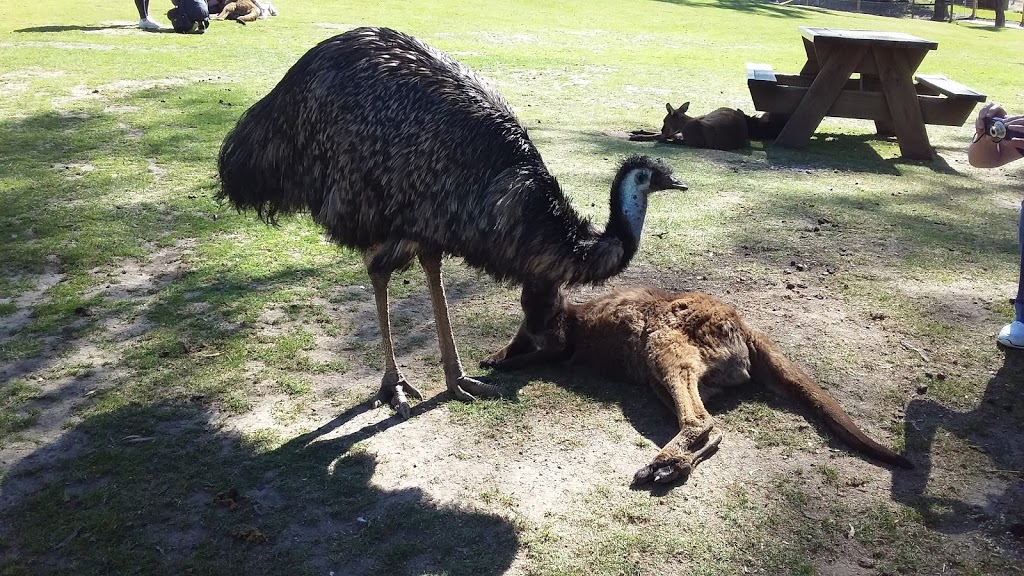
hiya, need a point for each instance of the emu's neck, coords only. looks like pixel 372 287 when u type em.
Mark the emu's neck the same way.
pixel 607 253
pixel 628 209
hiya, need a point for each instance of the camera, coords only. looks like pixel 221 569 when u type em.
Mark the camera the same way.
pixel 997 130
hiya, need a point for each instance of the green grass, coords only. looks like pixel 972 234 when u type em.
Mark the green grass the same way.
pixel 193 385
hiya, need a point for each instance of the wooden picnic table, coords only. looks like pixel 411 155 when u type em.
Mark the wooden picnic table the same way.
pixel 884 92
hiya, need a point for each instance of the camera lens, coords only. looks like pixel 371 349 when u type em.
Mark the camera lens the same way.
pixel 995 128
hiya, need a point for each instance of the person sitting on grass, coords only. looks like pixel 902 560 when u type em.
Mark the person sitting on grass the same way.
pixel 989 151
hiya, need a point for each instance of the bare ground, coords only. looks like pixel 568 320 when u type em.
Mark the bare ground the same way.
pixel 555 468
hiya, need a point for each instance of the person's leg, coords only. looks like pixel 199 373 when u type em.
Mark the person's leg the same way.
pixel 1012 334
pixel 145 22
pixel 1018 303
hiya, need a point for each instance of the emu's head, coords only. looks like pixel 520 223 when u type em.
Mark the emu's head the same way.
pixel 637 177
pixel 674 120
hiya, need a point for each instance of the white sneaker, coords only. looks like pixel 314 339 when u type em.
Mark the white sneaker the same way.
pixel 1012 335
pixel 271 9
pixel 148 23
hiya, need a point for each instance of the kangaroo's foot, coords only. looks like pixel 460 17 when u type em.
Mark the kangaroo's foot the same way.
pixel 671 465
pixel 468 389
pixel 393 390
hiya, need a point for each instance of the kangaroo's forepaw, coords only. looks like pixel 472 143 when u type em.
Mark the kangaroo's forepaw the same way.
pixel 493 360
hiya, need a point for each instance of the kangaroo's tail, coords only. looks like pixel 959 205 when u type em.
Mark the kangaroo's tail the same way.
pixel 768 363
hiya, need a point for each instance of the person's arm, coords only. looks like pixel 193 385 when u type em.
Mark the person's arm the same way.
pixel 986 153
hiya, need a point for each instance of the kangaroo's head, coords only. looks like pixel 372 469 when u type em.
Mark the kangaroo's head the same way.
pixel 674 120
pixel 544 311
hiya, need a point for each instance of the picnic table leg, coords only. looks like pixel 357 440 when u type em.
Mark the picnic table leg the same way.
pixel 819 97
pixel 898 86
pixel 811 66
pixel 883 126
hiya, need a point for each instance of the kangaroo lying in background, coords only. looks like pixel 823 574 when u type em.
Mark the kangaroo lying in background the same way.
pixel 687 346
pixel 241 11
pixel 721 129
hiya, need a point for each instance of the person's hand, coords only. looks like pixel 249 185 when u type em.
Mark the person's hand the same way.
pixel 1015 124
pixel 989 110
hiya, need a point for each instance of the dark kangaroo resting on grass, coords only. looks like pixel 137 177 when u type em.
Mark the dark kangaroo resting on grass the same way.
pixel 721 129
pixel 688 346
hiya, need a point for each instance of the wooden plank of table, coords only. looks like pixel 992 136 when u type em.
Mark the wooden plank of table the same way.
pixel 811 66
pixel 819 98
pixel 897 83
pixel 828 36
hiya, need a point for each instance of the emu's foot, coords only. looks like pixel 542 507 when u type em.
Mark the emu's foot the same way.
pixel 669 469
pixel 394 394
pixel 468 389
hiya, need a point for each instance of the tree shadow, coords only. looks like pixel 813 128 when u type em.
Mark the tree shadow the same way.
pixel 158 490
pixel 992 430
pixel 746 7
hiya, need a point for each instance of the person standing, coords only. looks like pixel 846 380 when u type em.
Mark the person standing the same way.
pixel 988 151
pixel 145 22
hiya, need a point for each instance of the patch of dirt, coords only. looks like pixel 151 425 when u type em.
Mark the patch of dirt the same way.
pixel 73 170
pixel 70 371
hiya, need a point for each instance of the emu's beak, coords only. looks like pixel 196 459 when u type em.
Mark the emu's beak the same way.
pixel 676 184
pixel 668 183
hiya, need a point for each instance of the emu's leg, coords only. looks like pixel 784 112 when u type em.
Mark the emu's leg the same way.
pixel 460 385
pixel 393 386
pixel 676 367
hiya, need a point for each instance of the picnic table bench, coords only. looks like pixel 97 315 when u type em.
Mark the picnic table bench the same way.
pixel 885 91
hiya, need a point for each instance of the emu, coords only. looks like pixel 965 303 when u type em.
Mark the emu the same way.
pixel 688 347
pixel 401 152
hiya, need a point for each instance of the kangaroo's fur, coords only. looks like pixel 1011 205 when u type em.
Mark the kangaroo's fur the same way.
pixel 721 129
pixel 241 11
pixel 687 346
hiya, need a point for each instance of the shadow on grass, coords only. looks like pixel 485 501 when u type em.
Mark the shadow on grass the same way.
pixel 79 28
pixel 747 7
pixel 157 490
pixel 993 431
pixel 826 150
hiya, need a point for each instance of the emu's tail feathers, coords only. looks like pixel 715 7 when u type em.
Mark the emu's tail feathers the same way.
pixel 768 362
pixel 252 179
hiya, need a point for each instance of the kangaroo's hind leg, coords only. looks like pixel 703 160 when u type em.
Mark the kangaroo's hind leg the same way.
pixel 228 10
pixel 675 367
pixel 251 16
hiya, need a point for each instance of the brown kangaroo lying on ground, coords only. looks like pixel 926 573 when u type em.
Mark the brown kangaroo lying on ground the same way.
pixel 721 129
pixel 241 11
pixel 688 346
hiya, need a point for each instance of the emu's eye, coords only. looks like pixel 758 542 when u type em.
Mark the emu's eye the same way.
pixel 642 178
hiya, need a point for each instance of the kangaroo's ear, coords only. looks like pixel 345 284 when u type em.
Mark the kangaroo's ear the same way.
pixel 668 106
pixel 684 107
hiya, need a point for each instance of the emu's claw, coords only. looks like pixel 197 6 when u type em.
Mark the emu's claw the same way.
pixel 395 396
pixel 468 389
